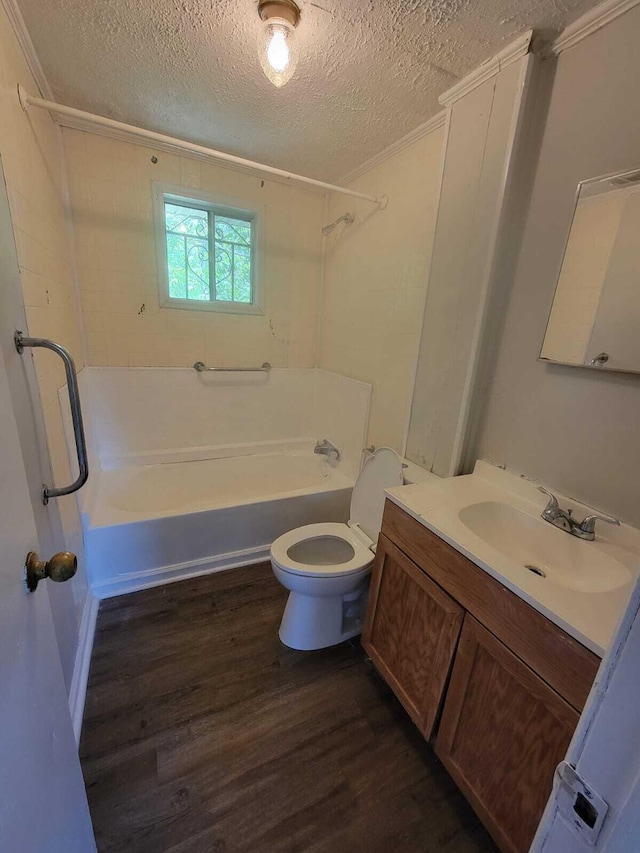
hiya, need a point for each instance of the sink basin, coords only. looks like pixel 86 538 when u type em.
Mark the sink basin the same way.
pixel 549 554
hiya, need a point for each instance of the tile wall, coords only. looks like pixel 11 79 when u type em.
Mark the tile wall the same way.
pixel 111 193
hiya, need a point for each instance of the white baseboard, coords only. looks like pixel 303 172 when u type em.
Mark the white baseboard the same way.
pixel 78 691
pixel 136 581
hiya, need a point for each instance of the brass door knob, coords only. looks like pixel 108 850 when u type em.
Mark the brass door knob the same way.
pixel 61 567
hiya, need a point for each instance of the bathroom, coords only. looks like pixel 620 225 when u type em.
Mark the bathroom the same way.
pixel 327 344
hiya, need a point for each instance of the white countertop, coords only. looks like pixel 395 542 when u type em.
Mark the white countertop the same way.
pixel 589 617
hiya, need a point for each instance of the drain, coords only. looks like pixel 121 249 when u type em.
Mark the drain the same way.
pixel 535 570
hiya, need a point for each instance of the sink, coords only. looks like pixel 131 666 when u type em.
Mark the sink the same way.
pixel 544 552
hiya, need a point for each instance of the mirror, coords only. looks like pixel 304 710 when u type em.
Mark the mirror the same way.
pixel 595 315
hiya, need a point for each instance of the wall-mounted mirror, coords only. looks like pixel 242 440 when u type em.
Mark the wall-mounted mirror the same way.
pixel 595 316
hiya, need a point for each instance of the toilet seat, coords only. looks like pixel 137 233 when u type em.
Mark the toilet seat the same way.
pixel 362 555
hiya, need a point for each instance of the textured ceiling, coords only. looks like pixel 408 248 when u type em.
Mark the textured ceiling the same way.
pixel 369 70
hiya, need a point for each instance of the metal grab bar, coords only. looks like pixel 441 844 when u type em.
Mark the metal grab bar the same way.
pixel 76 413
pixel 201 367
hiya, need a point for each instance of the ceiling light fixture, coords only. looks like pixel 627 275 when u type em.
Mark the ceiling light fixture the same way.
pixel 278 48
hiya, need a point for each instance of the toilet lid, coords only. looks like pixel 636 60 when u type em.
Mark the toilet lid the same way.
pixel 382 470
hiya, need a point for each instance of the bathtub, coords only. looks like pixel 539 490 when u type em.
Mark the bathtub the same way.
pixel 147 524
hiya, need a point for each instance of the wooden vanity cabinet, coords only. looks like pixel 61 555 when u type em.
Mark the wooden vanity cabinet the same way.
pixel 411 633
pixel 501 684
pixel 503 732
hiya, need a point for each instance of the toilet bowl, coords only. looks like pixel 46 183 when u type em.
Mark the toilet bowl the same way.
pixel 326 567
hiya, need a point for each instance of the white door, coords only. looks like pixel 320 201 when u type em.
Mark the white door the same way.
pixel 605 752
pixel 43 806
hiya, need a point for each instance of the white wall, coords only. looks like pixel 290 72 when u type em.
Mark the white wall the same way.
pixel 375 282
pixel 111 196
pixel 576 429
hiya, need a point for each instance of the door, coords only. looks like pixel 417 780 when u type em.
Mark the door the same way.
pixel 43 806
pixel 605 752
pixel 411 631
pixel 502 733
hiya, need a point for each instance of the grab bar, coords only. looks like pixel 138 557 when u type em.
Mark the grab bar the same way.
pixel 76 413
pixel 201 367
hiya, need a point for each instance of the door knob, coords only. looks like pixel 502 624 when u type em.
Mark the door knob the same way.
pixel 61 567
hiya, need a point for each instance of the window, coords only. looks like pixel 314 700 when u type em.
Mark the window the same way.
pixel 206 253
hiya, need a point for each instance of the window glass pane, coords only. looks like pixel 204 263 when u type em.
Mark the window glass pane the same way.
pixel 224 271
pixel 232 239
pixel 186 220
pixel 176 267
pixel 233 230
pixel 242 274
pixel 187 252
pixel 198 270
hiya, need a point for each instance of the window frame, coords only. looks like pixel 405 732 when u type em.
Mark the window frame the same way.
pixel 222 206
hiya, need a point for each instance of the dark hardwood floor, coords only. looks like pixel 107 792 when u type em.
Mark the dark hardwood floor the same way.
pixel 202 732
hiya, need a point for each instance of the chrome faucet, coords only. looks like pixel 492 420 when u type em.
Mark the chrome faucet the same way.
pixel 327 449
pixel 563 519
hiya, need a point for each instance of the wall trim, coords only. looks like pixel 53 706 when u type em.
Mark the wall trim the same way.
pixel 487 279
pixel 423 308
pixel 514 51
pixel 24 40
pixel 136 581
pixel 80 677
pixel 433 124
pixel 591 22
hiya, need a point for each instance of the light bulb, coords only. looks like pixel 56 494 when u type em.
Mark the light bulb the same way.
pixel 278 50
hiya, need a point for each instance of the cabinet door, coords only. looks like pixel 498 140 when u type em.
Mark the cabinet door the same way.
pixel 411 632
pixel 502 733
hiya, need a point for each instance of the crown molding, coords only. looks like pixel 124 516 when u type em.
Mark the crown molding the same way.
pixel 590 23
pixel 413 136
pixel 24 40
pixel 514 51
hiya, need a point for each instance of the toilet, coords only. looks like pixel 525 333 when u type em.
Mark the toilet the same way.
pixel 326 567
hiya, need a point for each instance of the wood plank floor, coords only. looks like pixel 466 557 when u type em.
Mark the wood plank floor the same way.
pixel 202 732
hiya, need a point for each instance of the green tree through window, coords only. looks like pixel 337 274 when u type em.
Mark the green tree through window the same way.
pixel 208 254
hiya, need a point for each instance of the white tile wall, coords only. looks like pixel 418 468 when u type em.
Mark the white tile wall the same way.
pixel 112 212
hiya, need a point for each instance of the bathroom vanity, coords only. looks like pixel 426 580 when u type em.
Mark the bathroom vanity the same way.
pixel 488 670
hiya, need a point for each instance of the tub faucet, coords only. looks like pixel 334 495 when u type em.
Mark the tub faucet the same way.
pixel 563 519
pixel 327 449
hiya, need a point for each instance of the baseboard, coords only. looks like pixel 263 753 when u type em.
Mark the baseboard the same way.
pixel 78 691
pixel 136 581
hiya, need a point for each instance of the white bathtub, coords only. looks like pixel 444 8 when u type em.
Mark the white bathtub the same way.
pixel 148 524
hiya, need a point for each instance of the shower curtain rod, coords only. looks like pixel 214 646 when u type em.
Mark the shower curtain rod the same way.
pixel 27 100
